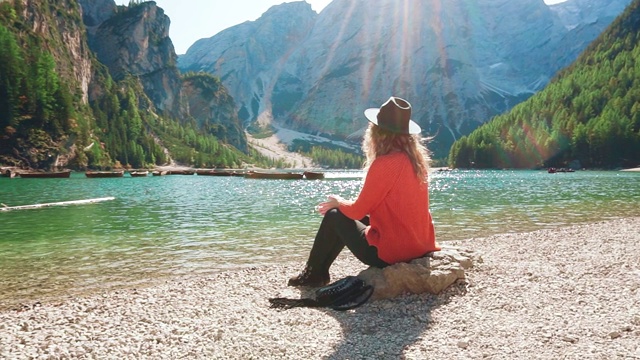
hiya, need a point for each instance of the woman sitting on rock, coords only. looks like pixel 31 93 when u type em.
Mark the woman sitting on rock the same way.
pixel 389 222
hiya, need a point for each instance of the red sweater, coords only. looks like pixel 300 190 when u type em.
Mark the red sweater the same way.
pixel 397 202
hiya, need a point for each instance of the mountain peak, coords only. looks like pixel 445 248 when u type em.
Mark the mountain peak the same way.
pixel 459 62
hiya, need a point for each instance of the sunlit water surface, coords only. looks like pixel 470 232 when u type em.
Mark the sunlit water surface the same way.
pixel 163 226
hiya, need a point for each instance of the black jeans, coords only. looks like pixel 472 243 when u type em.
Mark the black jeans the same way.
pixel 337 231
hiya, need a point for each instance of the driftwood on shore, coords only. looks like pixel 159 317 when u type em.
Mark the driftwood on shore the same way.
pixel 61 203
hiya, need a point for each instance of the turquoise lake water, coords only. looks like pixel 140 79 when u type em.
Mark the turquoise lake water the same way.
pixel 163 226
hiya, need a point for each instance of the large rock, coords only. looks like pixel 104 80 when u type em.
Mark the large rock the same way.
pixel 424 275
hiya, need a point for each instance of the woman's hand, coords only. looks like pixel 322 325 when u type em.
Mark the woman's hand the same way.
pixel 332 203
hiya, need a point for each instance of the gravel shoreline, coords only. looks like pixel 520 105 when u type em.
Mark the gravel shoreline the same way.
pixel 569 293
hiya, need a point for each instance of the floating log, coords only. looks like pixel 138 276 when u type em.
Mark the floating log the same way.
pixel 61 203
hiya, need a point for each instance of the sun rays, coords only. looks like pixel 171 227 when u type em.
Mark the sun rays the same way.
pixel 389 27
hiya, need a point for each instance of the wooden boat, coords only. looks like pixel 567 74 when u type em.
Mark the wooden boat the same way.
pixel 104 174
pixel 215 172
pixel 140 173
pixel 8 173
pixel 45 174
pixel 273 175
pixel 159 173
pixel 553 170
pixel 181 172
pixel 312 175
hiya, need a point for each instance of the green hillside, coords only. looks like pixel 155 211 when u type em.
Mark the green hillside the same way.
pixel 46 123
pixel 588 115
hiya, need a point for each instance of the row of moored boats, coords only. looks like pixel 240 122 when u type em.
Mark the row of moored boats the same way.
pixel 310 175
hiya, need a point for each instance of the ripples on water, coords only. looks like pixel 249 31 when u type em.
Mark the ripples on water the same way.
pixel 178 225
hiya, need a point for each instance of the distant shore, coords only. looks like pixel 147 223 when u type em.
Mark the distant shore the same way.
pixel 182 167
pixel 570 292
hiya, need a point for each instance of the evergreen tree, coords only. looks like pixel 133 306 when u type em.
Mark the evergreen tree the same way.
pixel 11 72
pixel 588 112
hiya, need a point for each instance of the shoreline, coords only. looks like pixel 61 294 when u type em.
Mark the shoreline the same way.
pixel 555 293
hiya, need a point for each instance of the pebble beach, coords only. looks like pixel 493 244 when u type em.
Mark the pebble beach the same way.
pixel 568 293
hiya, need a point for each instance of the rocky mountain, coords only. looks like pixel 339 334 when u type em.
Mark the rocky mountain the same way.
pixel 44 62
pixel 90 84
pixel 136 43
pixel 576 13
pixel 248 57
pixel 458 62
pixel 586 117
pixel 584 21
pixel 64 40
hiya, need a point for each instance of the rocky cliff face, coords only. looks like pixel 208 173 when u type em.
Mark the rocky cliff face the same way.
pixel 64 40
pixel 584 21
pixel 577 13
pixel 251 56
pixel 95 12
pixel 213 109
pixel 134 41
pixel 60 60
pixel 451 59
pixel 458 62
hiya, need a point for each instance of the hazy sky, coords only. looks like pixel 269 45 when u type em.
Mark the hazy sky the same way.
pixel 192 20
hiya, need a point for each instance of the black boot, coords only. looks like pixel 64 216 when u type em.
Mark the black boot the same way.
pixel 309 277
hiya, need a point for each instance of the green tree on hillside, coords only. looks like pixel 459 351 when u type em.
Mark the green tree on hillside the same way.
pixel 588 112
pixel 43 113
pixel 11 73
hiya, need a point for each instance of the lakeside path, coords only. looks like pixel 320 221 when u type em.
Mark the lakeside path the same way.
pixel 567 293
